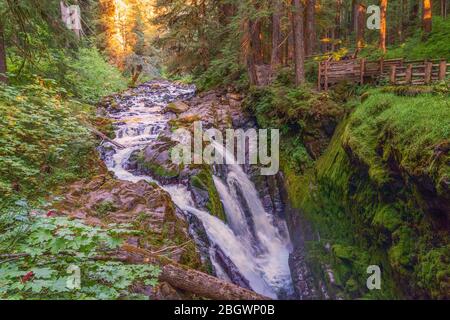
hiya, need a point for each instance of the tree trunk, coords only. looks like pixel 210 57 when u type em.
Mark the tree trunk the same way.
pixel 247 47
pixel 383 7
pixel 403 11
pixel 3 68
pixel 426 16
pixel 255 38
pixel 360 25
pixel 299 46
pixel 444 9
pixel 227 11
pixel 353 16
pixel 275 59
pixel 337 21
pixel 290 43
pixel 193 281
pixel 310 27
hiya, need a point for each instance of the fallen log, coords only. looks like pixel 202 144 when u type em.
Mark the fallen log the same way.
pixel 103 136
pixel 194 281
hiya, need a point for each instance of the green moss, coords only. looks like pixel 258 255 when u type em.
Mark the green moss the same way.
pixel 104 207
pixel 157 169
pixel 408 128
pixel 172 234
pixel 387 217
pixel 369 213
pixel 204 181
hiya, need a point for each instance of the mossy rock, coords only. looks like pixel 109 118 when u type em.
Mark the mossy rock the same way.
pixel 156 161
pixel 177 107
pixel 203 180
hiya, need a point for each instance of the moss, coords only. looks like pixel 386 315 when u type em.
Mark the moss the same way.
pixel 204 181
pixel 361 199
pixel 183 122
pixel 171 234
pixel 387 217
pixel 103 208
pixel 157 169
pixel 407 128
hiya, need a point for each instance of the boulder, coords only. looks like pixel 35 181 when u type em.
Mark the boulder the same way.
pixel 177 107
pixel 143 205
pixel 155 160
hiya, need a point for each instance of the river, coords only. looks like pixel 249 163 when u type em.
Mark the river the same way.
pixel 256 245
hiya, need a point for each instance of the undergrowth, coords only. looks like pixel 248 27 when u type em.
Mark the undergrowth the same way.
pixel 47 257
pixel 43 142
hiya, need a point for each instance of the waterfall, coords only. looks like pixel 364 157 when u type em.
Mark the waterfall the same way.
pixel 250 238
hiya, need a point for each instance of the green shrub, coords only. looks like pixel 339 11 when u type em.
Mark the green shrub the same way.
pixel 42 142
pixel 92 78
pixel 39 253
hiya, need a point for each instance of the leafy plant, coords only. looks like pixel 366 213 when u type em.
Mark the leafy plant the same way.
pixel 42 140
pixel 39 254
pixel 91 77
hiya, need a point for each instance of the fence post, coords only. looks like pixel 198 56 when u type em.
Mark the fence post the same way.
pixel 361 71
pixel 427 77
pixel 393 74
pixel 408 74
pixel 442 69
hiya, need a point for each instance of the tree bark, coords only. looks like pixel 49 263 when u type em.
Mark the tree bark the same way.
pixel 299 46
pixel 337 21
pixel 444 8
pixel 353 16
pixel 255 38
pixel 360 19
pixel 275 59
pixel 248 53
pixel 193 281
pixel 403 11
pixel 227 11
pixel 383 7
pixel 427 16
pixel 310 28
pixel 3 67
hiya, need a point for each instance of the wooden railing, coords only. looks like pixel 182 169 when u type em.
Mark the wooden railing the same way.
pixel 395 71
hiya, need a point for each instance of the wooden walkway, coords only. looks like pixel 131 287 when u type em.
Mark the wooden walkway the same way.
pixel 394 71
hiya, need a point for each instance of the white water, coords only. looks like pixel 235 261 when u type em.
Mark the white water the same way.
pixel 261 256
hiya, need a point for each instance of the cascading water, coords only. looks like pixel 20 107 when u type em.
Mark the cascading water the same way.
pixel 250 239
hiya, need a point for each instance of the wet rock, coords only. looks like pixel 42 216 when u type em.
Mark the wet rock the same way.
pixel 305 284
pixel 301 278
pixel 230 268
pixel 177 107
pixel 155 160
pixel 200 197
pixel 204 192
pixel 145 206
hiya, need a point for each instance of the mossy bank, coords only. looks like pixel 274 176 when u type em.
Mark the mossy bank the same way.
pixel 376 191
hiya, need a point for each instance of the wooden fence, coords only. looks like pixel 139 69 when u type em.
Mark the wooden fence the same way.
pixel 395 71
